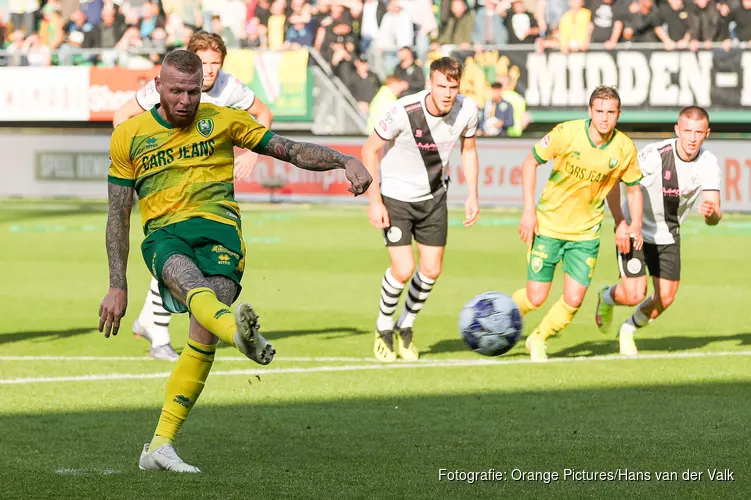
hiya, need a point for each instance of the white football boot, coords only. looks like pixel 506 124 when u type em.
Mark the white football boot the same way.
pixel 164 458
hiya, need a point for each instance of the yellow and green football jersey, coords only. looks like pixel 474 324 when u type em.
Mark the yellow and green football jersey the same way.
pixel 183 173
pixel 572 204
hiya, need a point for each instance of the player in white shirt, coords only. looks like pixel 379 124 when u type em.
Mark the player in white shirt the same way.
pixel 421 130
pixel 223 90
pixel 677 172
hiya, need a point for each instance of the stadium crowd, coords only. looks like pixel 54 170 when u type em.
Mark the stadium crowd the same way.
pixel 378 48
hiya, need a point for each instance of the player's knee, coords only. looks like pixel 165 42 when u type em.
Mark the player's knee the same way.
pixel 431 272
pixel 537 298
pixel 666 300
pixel 635 297
pixel 574 299
pixel 402 273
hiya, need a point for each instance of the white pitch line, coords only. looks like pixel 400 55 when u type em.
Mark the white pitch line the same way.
pixel 380 366
pixel 294 359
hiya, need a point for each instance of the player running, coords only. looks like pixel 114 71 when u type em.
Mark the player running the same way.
pixel 677 172
pixel 223 90
pixel 179 159
pixel 590 157
pixel 422 130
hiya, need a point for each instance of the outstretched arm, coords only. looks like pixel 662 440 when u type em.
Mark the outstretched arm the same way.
pixel 318 158
pixel 115 302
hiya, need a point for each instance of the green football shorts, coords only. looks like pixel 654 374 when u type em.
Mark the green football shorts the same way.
pixel 217 249
pixel 579 259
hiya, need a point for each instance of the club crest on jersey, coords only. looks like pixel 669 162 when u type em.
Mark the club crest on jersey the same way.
pixel 205 126
pixel 667 175
pixel 418 133
pixel 613 163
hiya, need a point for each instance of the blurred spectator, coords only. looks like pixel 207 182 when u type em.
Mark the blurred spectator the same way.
pixel 384 99
pixel 409 71
pixel 575 29
pixel 150 19
pixel 51 33
pixel 335 28
pixel 741 15
pixel 275 28
pixel 675 15
pixel 92 9
pixel 234 13
pixel 518 104
pixel 108 33
pixel 643 24
pixel 15 49
pixel 457 30
pixel 396 31
pixel 362 82
pixel 425 23
pixel 522 24
pixel 254 35
pixel 607 21
pixel 372 14
pixel 488 27
pixel 228 37
pixel 707 25
pixel 23 15
pixel 498 114
pixel 548 15
pixel 299 31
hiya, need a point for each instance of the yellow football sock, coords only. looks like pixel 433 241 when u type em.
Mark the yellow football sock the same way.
pixel 212 314
pixel 522 301
pixel 183 388
pixel 558 318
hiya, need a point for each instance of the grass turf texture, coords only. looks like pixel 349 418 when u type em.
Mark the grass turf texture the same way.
pixel 356 429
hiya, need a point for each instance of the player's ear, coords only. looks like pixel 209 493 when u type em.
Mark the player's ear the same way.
pixel 708 131
pixel 675 128
pixel 157 82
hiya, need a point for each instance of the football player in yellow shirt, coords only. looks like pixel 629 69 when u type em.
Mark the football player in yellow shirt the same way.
pixel 179 159
pixel 590 157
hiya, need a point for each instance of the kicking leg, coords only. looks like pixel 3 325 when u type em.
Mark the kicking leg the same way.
pixel 431 264
pixel 402 266
pixel 187 284
pixel 153 325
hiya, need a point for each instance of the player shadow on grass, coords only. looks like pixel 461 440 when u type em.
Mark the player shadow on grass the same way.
pixel 7 338
pixel 646 343
pixel 342 331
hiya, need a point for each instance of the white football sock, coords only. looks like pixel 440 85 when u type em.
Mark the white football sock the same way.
pixel 154 317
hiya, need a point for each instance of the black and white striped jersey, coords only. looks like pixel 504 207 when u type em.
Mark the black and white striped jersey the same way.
pixel 671 187
pixel 413 166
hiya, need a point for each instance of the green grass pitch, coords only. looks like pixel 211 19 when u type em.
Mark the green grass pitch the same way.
pixel 325 420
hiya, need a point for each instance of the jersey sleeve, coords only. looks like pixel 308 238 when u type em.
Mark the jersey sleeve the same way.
pixel 240 96
pixel 121 170
pixel 147 96
pixel 246 132
pixel 631 174
pixel 711 177
pixel 471 129
pixel 649 160
pixel 551 145
pixel 392 123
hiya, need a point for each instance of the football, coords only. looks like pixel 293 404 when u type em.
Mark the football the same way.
pixel 490 323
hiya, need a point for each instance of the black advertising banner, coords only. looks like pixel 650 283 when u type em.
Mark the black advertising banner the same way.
pixel 645 79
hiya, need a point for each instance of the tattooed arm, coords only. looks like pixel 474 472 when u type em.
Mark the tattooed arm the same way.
pixel 115 302
pixel 318 159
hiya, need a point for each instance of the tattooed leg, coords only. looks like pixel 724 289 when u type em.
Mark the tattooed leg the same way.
pixel 181 275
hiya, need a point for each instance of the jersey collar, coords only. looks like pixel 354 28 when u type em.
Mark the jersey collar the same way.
pixel 586 130
pixel 161 121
